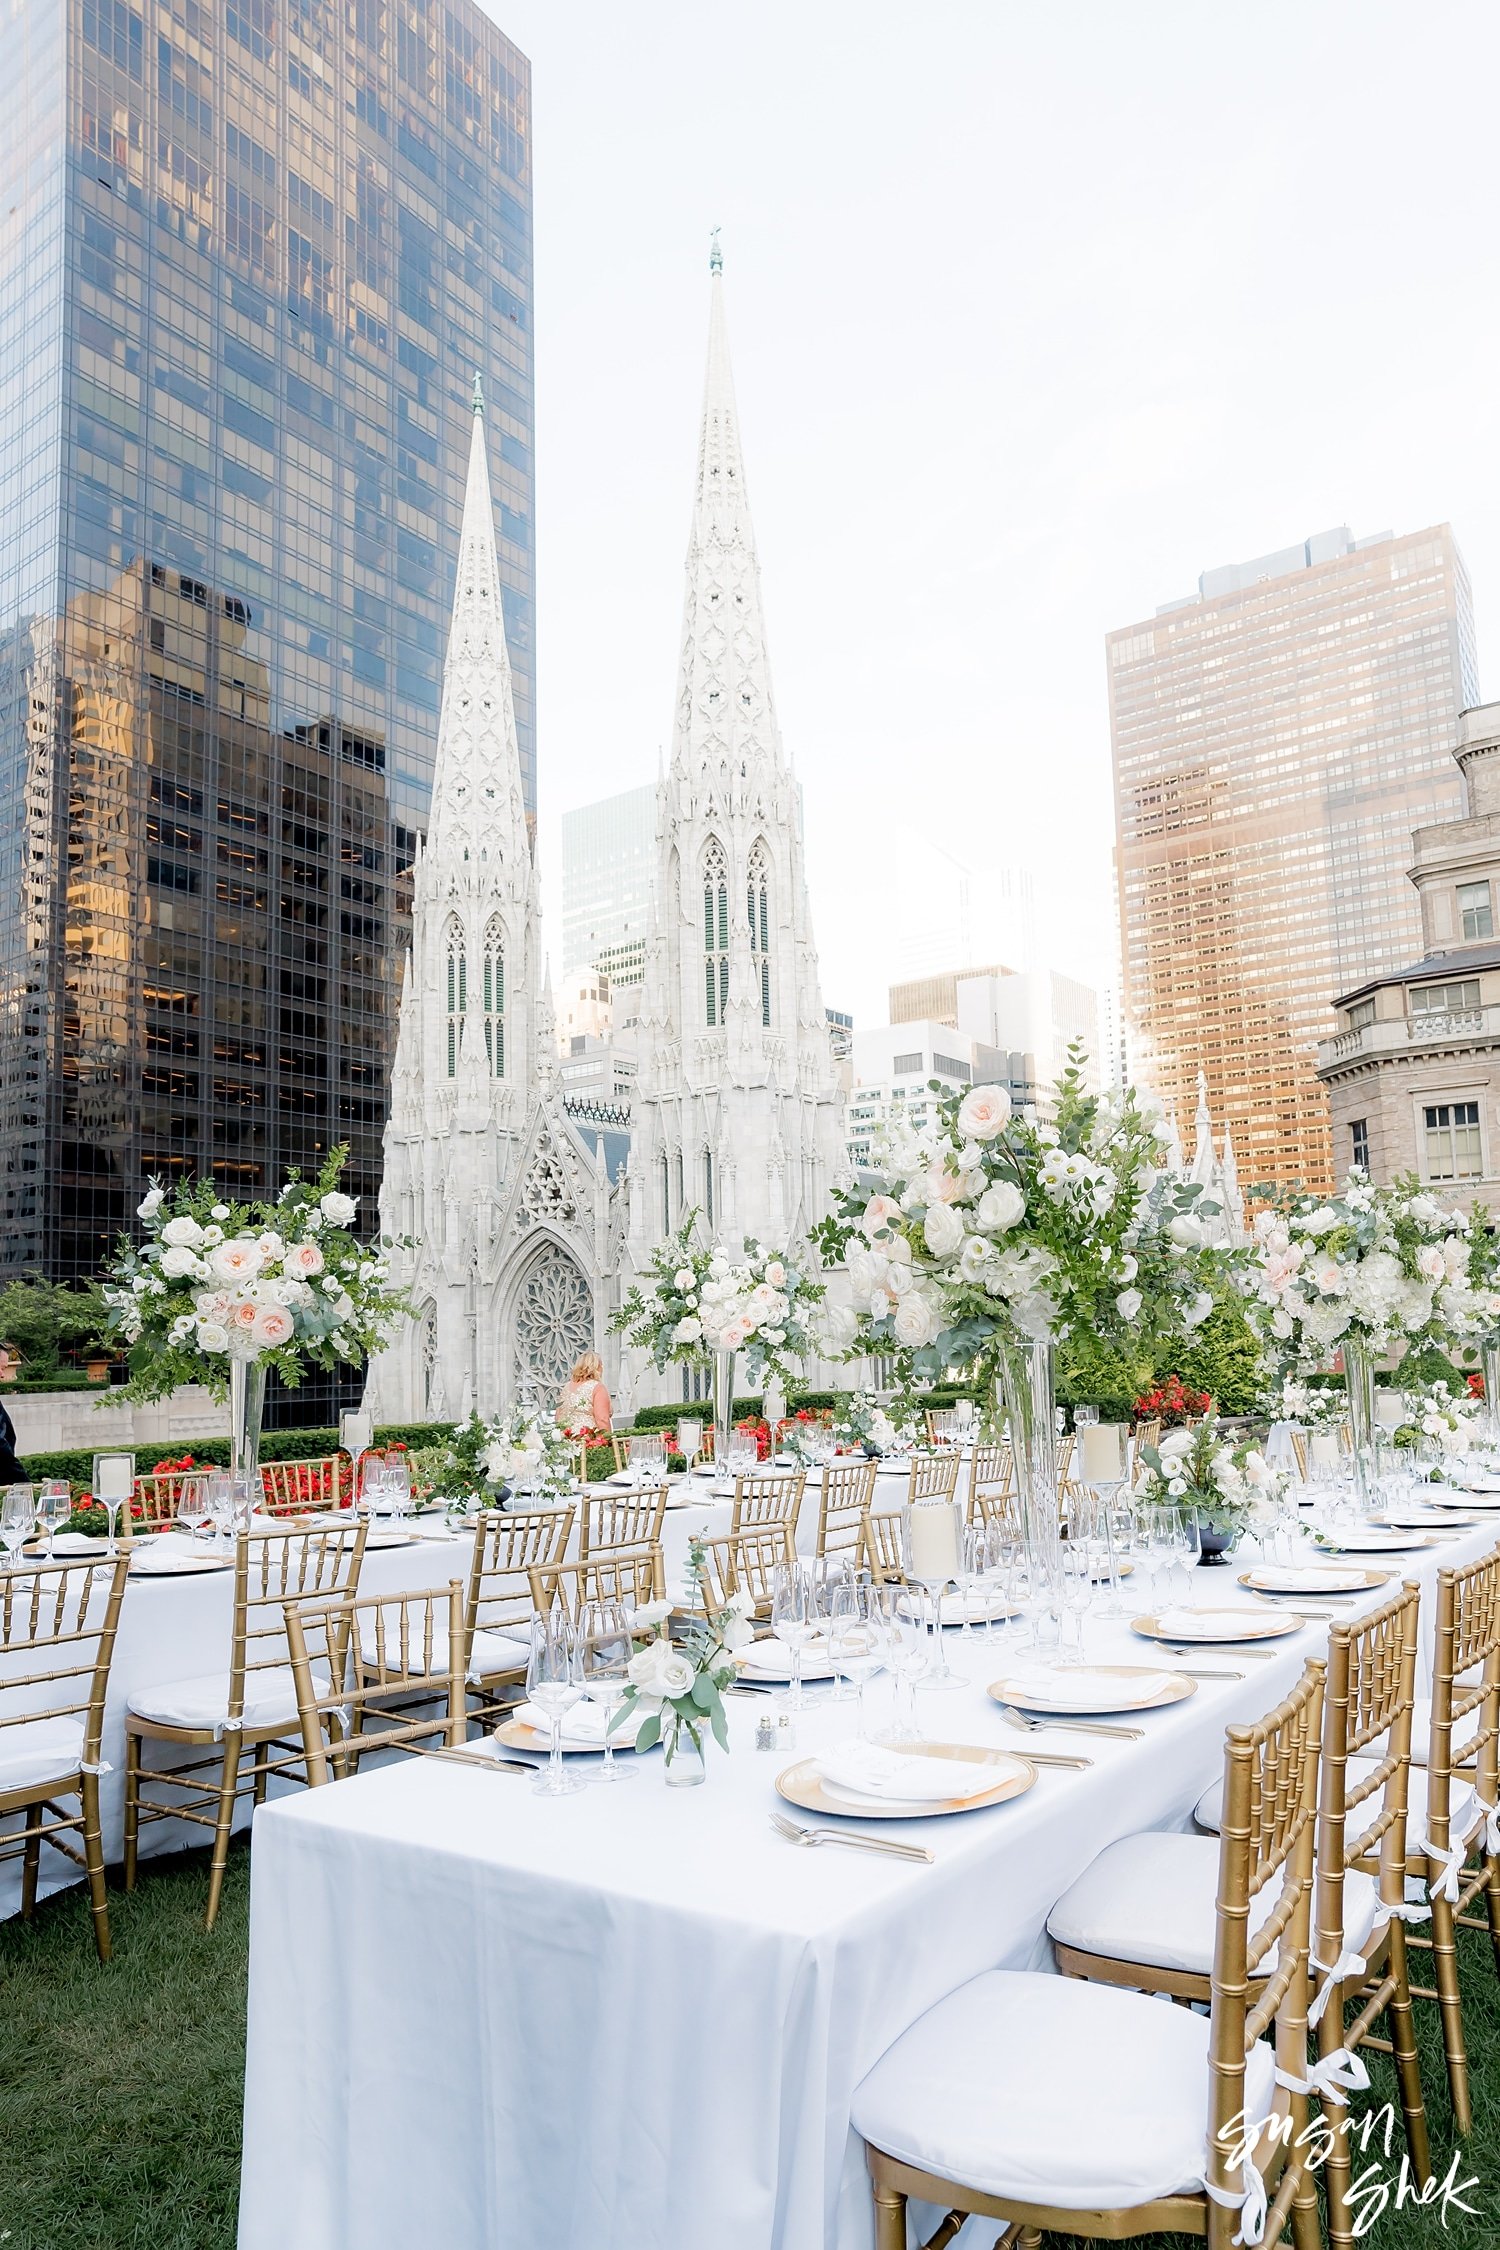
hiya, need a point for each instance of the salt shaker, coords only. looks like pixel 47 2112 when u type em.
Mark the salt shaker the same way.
pixel 765 1732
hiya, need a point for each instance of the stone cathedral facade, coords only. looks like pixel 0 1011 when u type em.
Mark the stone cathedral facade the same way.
pixel 525 1223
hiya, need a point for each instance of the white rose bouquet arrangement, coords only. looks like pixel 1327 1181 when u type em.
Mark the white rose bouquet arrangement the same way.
pixel 1228 1485
pixel 1312 1406
pixel 528 1450
pixel 866 1423
pixel 287 1283
pixel 696 1301
pixel 990 1227
pixel 680 1684
pixel 1370 1266
pixel 1441 1413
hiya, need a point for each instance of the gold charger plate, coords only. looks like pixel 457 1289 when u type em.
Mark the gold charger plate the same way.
pixel 515 1734
pixel 803 1785
pixel 1249 1626
pixel 1352 1580
pixel 1402 1543
pixel 1180 1689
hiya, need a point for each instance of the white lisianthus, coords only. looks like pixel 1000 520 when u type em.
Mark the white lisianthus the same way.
pixel 1199 1310
pixel 338 1209
pixel 838 1328
pixel 737 1632
pixel 984 1113
pixel 651 1613
pixel 1175 1444
pixel 182 1233
pixel 943 1229
pixel 211 1235
pixel 219 1211
pixel 1129 1267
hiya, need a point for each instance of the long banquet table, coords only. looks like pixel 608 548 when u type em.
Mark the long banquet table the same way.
pixel 636 2017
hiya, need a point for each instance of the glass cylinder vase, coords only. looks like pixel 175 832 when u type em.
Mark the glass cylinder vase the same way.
pixel 1026 1380
pixel 682 1756
pixel 1489 1362
pixel 723 1406
pixel 247 1402
pixel 1359 1385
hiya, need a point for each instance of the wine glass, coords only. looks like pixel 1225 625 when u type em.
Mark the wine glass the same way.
pixel 398 1487
pixel 54 1506
pixel 856 1639
pixel 552 1684
pixel 17 1520
pixel 905 1633
pixel 794 1619
pixel 1075 1592
pixel 604 1652
pixel 194 1515
pixel 648 1459
pixel 221 1504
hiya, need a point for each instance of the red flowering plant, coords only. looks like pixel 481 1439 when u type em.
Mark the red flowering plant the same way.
pixel 1476 1384
pixel 1171 1403
pixel 761 1429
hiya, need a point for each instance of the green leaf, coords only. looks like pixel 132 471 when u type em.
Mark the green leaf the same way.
pixel 705 1694
pixel 720 1727
pixel 650 1733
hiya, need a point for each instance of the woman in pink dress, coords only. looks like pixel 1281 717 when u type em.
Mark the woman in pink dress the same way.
pixel 584 1409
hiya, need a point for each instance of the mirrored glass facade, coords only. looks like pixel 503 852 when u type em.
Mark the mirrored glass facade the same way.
pixel 254 252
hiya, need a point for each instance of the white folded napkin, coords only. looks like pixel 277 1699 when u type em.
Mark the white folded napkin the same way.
pixel 1064 1685
pixel 582 1723
pixel 160 1557
pixel 1305 1578
pixel 1205 1624
pixel 977 1607
pixel 78 1543
pixel 864 1769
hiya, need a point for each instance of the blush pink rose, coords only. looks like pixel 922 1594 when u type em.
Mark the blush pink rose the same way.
pixel 272 1325
pixel 303 1259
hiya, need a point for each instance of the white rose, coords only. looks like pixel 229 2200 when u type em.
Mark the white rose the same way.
pixel 1175 1444
pixel 880 1212
pixel 213 1336
pixel 1186 1231
pixel 211 1235
pixel 182 1233
pixel 776 1274
pixel 1128 1303
pixel 682 1279
pixel 239 1260
pixel 687 1331
pixel 178 1262
pixel 913 1322
pixel 658 1672
pixel 152 1204
pixel 838 1327
pixel 943 1229
pixel 337 1209
pixel 984 1112
pixel 1000 1207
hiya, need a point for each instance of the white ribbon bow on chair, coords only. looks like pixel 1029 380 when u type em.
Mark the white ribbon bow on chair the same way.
pixel 1491 1822
pixel 1452 1857
pixel 1251 2204
pixel 1337 2075
pixel 1347 1965
pixel 1412 1910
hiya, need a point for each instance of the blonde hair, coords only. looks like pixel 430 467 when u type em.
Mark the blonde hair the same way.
pixel 588 1370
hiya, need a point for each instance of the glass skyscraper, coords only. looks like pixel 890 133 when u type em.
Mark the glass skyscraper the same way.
pixel 252 254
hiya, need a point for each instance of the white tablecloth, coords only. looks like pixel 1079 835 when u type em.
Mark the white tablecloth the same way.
pixel 175 1629
pixel 637 2017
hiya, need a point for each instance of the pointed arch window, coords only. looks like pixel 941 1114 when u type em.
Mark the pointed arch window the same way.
pixel 715 935
pixel 708 1186
pixel 494 998
pixel 457 992
pixel 666 1197
pixel 758 900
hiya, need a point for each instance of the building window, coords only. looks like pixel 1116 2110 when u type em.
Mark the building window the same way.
pixel 708 1186
pixel 1359 1143
pixel 715 936
pixel 666 1199
pixel 949 1066
pixel 1474 910
pixel 1360 1014
pixel 494 998
pixel 904 1065
pixel 758 901
pixel 1453 1151
pixel 458 994
pixel 1444 999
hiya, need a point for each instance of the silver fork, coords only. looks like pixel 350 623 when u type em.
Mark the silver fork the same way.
pixel 1221 1648
pixel 1029 1725
pixel 885 1846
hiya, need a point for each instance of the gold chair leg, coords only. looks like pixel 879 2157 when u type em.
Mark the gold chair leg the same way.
pixel 93 1854
pixel 132 1805
pixel 32 1861
pixel 1336 2167
pixel 229 1784
pixel 1307 2227
pixel 1492 1905
pixel 890 2218
pixel 262 1778
pixel 1450 2005
pixel 1402 2020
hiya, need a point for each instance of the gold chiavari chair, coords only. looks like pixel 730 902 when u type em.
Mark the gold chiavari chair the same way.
pixel 1148 1433
pixel 248 1708
pixel 297 1488
pixel 1299 1454
pixel 360 1666
pixel 746 1562
pixel 880 1547
pixel 933 1476
pixel 767 1500
pixel 848 1489
pixel 632 1576
pixel 994 1468
pixel 608 1520
pixel 57 1638
pixel 508 1544
pixel 1079 2109
pixel 1359 1934
pixel 1451 1817
pixel 156 1496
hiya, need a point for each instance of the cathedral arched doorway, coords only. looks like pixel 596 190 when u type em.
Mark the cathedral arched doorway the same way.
pixel 551 1324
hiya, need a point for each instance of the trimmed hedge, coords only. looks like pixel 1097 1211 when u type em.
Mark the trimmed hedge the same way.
pixel 77 1463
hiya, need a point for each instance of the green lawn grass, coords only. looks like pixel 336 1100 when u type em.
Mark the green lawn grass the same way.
pixel 120 2087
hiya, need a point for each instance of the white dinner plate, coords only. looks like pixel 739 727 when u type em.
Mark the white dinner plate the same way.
pixel 1217 1625
pixel 769 1663
pixel 804 1784
pixel 1312 1578
pixel 1089 1689
pixel 1371 1539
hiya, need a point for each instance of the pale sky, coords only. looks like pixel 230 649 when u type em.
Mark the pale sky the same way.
pixel 1036 312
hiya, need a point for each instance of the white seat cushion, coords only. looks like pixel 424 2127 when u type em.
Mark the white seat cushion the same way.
pixel 1045 2090
pixel 38 1751
pixel 1153 1899
pixel 270 1699
pixel 488 1652
pixel 1209 1810
pixel 1463 1815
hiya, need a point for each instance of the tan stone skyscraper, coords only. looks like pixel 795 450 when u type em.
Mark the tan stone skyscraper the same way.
pixel 1276 739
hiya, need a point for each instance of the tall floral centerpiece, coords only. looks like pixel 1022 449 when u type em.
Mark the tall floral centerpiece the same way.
pixel 988 1236
pixel 704 1305
pixel 1484 1272
pixel 218 1293
pixel 1227 1484
pixel 528 1451
pixel 1358 1273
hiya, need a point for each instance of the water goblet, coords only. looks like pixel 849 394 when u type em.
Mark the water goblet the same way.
pixel 17 1520
pixel 552 1684
pixel 604 1652
pixel 194 1515
pixel 856 1640
pixel 906 1647
pixel 794 1619
pixel 54 1506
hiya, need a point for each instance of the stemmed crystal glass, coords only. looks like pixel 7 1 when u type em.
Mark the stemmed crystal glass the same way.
pixel 604 1650
pixel 856 1638
pixel 924 1541
pixel 54 1507
pixel 194 1514
pixel 17 1520
pixel 552 1684
pixel 648 1459
pixel 221 1504
pixel 795 1619
pixel 906 1648
pixel 1075 1591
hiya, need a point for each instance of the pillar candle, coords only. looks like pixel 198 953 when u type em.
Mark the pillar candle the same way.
pixel 934 1540
pixel 1101 1452
pixel 1325 1450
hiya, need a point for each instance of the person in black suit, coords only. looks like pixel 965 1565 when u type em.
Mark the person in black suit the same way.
pixel 11 1471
